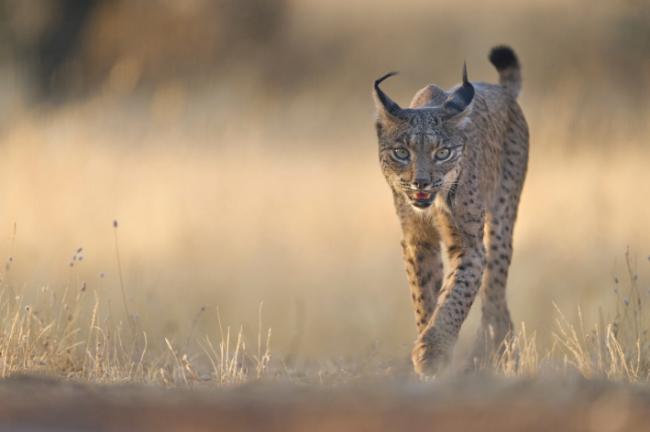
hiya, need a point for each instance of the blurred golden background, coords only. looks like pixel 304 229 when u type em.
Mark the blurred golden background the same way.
pixel 234 143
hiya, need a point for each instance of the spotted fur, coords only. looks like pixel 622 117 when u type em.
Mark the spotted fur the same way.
pixel 456 162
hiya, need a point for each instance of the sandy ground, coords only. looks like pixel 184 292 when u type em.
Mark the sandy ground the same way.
pixel 459 404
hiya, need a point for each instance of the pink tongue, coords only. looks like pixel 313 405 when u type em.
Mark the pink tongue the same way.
pixel 421 195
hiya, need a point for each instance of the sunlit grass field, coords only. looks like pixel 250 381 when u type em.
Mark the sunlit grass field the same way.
pixel 234 258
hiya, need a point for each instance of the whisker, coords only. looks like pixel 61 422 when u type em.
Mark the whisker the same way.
pixel 446 187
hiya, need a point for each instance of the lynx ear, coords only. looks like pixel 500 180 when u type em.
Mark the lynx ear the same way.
pixel 460 100
pixel 388 111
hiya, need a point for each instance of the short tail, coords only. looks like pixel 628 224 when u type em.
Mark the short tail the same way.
pixel 505 60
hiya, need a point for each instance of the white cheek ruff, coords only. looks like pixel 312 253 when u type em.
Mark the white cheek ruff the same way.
pixel 425 212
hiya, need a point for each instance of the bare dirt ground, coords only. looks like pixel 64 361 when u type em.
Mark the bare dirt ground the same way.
pixel 29 403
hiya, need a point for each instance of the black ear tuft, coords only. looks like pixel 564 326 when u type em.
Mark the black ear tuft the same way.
pixel 385 103
pixel 503 57
pixel 466 91
pixel 383 78
pixel 460 99
pixel 465 80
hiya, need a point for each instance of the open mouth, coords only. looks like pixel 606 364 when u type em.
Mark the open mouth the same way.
pixel 421 199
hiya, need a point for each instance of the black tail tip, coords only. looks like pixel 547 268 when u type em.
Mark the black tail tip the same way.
pixel 503 57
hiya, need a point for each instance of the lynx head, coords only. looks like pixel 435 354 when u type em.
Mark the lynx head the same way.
pixel 420 149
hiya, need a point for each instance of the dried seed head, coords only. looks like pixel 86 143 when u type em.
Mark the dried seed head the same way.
pixel 115 223
pixel 626 301
pixel 83 286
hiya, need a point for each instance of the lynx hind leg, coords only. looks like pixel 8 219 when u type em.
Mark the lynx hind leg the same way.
pixel 496 324
pixel 424 271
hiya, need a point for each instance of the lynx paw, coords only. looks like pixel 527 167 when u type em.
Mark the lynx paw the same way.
pixel 431 353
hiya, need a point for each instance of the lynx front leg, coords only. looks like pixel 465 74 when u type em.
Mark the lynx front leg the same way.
pixel 467 261
pixel 424 271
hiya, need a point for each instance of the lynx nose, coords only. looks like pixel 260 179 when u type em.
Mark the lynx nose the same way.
pixel 421 182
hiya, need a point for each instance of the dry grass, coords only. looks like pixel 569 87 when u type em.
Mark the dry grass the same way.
pixel 77 335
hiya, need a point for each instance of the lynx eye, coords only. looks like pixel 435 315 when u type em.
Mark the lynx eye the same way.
pixel 401 154
pixel 443 154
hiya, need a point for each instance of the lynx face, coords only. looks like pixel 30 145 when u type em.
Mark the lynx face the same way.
pixel 421 162
pixel 420 149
